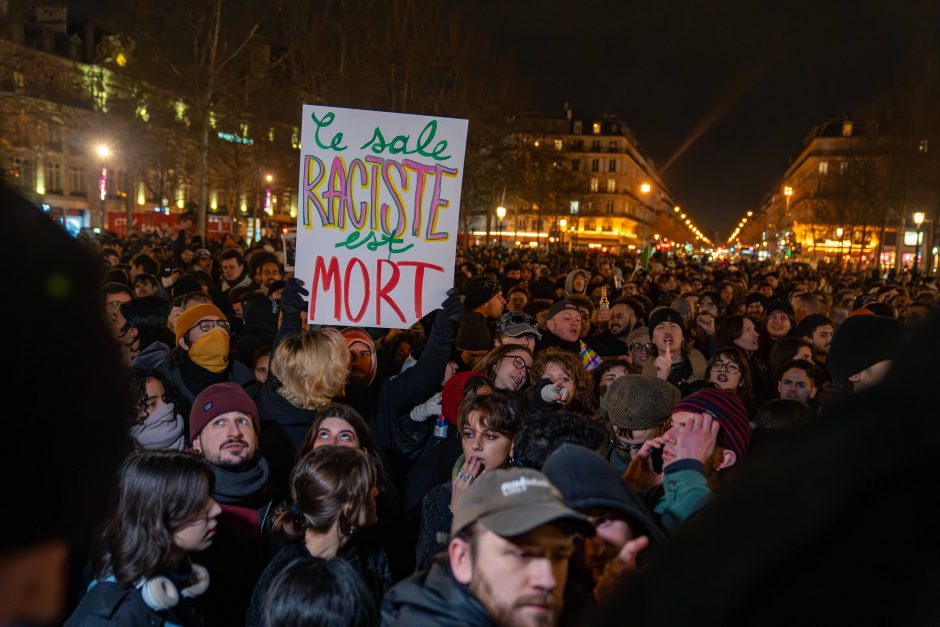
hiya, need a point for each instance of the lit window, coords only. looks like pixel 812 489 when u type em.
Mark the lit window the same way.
pixel 847 128
pixel 271 134
pixel 611 185
pixel 595 184
pixel 559 144
pixel 824 167
pixel 922 146
pixel 597 128
pixel 295 138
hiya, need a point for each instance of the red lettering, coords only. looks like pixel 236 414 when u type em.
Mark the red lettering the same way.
pixel 420 267
pixel 383 290
pixel 366 294
pixel 330 277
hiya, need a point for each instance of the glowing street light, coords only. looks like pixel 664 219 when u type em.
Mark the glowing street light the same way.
pixel 676 208
pixel 750 213
pixel 269 178
pixel 500 213
pixel 918 221
pixel 645 188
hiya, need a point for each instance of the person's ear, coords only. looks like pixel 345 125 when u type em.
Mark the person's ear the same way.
pixel 183 343
pixel 812 392
pixel 727 459
pixel 461 562
pixel 197 443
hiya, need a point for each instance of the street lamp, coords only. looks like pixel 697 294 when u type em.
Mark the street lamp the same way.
pixel 839 232
pixel 563 224
pixel 500 213
pixel 103 151
pixel 919 221
pixel 645 188
pixel 788 191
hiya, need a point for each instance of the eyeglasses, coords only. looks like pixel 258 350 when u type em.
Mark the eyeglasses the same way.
pixel 207 325
pixel 519 363
pixel 707 305
pixel 640 346
pixel 730 366
pixel 115 304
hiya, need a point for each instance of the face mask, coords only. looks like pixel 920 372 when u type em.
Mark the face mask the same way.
pixel 211 351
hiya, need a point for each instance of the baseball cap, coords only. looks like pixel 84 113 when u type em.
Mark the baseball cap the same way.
pixel 516 323
pixel 202 252
pixel 513 501
pixel 168 268
pixel 560 306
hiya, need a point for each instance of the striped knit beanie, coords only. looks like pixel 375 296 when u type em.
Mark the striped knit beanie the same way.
pixel 725 407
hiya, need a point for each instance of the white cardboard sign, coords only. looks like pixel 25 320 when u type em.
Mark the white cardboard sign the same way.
pixel 377 217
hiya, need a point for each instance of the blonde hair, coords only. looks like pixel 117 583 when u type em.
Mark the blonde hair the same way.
pixel 312 366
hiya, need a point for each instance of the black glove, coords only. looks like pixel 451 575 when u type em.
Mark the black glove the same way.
pixel 453 308
pixel 292 301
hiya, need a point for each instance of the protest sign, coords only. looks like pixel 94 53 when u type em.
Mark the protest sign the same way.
pixel 377 214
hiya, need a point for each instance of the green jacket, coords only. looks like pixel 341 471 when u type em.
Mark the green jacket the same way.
pixel 686 492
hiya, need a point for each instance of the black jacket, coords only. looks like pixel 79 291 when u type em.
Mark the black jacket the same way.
pixel 606 344
pixel 106 603
pixel 433 598
pixel 436 519
pixel 284 428
pixel 381 403
pixel 550 339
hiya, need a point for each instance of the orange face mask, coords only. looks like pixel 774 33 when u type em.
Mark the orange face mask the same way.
pixel 211 351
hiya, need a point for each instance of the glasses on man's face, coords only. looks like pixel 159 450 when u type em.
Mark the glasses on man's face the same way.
pixel 519 363
pixel 115 304
pixel 207 325
pixel 640 346
pixel 729 366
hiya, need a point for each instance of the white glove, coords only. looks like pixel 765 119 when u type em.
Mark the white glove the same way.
pixel 427 409
pixel 554 394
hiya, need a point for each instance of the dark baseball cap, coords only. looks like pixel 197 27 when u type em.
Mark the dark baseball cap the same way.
pixel 516 323
pixel 514 501
pixel 560 306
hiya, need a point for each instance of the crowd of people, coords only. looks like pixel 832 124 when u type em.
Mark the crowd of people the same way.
pixel 521 456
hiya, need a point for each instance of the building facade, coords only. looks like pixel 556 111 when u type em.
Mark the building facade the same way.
pixel 591 187
pixel 852 196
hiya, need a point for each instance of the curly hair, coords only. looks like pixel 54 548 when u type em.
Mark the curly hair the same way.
pixel 583 400
pixel 139 378
pixel 543 433
pixel 311 366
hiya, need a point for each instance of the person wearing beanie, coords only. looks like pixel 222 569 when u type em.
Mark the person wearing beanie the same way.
pixel 473 339
pixel 863 349
pixel 637 407
pixel 225 429
pixel 483 296
pixel 202 356
pixel 623 524
pixel 674 362
pixel 709 434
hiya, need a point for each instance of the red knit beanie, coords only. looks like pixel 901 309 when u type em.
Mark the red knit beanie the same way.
pixel 453 394
pixel 219 399
pixel 725 407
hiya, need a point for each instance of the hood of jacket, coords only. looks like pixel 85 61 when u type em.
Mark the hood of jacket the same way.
pixel 569 281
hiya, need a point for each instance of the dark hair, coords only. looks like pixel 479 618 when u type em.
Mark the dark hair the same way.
pixel 800 364
pixel 736 355
pixel 329 484
pixel 318 592
pixel 730 329
pixel 232 253
pixel 783 352
pixel 145 278
pixel 347 413
pixel 146 262
pixel 606 365
pixel 782 415
pixel 159 493
pixel 139 378
pixel 115 287
pixel 543 433
pixel 147 316
pixel 498 412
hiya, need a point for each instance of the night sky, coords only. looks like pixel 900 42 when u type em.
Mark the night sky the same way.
pixel 765 73
pixel 723 91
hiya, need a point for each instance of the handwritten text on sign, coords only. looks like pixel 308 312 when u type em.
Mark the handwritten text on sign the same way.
pixel 377 219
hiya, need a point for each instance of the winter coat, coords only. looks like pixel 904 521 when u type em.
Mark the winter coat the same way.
pixel 284 428
pixel 433 598
pixel 107 603
pixel 694 365
pixel 436 519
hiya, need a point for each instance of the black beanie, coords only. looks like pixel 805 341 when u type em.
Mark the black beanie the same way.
pixel 477 291
pixel 666 314
pixel 863 341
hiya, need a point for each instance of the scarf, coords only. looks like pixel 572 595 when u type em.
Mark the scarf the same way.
pixel 233 487
pixel 198 378
pixel 162 429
